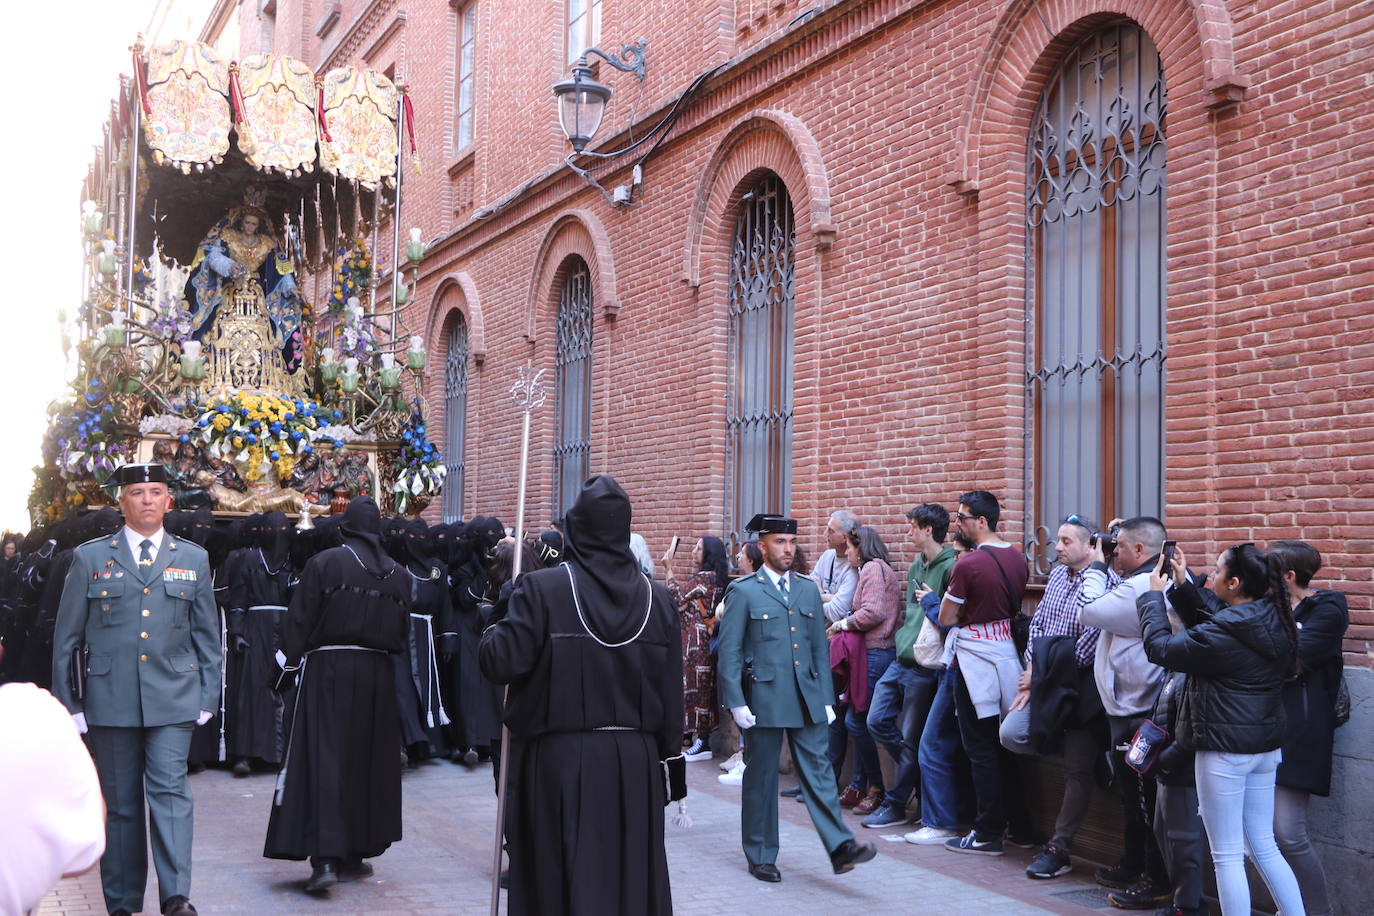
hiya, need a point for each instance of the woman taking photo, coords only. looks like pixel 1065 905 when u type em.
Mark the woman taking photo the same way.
pixel 876 613
pixel 1237 653
pixel 696 604
pixel 1310 704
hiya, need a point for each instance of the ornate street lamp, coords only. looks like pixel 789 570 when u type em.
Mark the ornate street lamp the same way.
pixel 582 100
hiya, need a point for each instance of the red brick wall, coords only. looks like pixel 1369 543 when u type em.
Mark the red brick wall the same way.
pixel 899 127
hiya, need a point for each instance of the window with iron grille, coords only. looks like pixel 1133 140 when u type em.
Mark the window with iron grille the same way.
pixel 1096 230
pixel 573 363
pixel 455 417
pixel 467 84
pixel 758 417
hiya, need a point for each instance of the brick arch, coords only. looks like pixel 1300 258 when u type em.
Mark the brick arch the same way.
pixel 573 232
pixel 1020 55
pixel 763 139
pixel 1027 48
pixel 457 293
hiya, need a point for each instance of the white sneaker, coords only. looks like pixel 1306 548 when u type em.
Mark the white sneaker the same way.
pixel 732 762
pixel 699 755
pixel 733 778
pixel 930 836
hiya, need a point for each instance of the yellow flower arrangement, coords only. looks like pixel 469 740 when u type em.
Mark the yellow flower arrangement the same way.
pixel 259 433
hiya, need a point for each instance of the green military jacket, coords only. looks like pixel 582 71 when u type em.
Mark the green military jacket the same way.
pixel 773 654
pixel 152 634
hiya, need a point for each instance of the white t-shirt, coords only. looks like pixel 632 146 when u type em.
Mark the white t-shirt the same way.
pixel 52 820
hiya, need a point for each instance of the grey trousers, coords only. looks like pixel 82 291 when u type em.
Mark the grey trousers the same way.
pixel 1290 832
pixel 1183 841
pixel 128 761
pixel 1079 754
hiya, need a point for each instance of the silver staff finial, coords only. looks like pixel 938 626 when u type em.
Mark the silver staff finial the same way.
pixel 529 392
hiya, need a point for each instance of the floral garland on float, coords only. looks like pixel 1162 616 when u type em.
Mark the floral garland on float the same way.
pixel 421 471
pixel 262 433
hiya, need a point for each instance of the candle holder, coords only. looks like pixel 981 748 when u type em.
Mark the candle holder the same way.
pixel 349 381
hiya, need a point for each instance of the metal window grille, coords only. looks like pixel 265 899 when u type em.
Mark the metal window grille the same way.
pixel 758 417
pixel 455 418
pixel 573 362
pixel 1095 341
pixel 467 85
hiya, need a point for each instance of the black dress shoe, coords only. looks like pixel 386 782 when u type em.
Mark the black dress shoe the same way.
pixel 242 768
pixel 121 913
pixel 766 871
pixel 322 877
pixel 793 792
pixel 850 854
pixel 178 906
pixel 355 871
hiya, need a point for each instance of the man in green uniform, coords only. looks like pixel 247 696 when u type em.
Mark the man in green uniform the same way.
pixel 138 613
pixel 774 672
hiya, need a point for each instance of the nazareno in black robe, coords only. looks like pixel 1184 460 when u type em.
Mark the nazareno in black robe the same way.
pixel 339 794
pixel 255 720
pixel 595 706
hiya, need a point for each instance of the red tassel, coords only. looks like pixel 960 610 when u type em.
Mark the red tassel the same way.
pixel 410 117
pixel 236 94
pixel 141 80
pixel 324 126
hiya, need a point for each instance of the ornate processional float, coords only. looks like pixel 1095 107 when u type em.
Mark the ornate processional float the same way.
pixel 230 326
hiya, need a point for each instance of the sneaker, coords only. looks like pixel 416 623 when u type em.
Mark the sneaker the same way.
pixel 971 844
pixel 696 747
pixel 1051 863
pixel 1021 841
pixel 871 802
pixel 699 755
pixel 733 778
pixel 885 816
pixel 1145 894
pixel 1118 877
pixel 732 762
pixel 930 836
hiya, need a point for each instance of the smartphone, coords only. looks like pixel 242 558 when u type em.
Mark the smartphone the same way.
pixel 1169 548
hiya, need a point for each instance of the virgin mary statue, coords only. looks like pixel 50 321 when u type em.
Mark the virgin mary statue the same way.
pixel 244 305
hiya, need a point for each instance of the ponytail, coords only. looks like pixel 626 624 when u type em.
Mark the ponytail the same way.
pixel 1261 579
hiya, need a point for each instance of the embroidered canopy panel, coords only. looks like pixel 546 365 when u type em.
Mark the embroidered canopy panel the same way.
pixel 279 126
pixel 188 117
pixel 359 108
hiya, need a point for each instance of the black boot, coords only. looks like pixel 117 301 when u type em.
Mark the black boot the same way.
pixel 322 877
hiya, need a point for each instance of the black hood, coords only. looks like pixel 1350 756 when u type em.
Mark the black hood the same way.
pixel 274 538
pixel 361 528
pixel 610 587
pixel 417 545
pixel 200 527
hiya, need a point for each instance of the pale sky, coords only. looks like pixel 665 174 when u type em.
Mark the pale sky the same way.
pixel 59 72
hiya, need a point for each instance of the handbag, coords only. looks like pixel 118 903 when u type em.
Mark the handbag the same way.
pixel 929 648
pixel 1149 742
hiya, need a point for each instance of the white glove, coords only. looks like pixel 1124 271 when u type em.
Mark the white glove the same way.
pixel 80 719
pixel 203 717
pixel 743 717
pixel 830 715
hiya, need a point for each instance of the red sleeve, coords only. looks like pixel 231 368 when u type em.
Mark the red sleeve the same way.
pixel 958 580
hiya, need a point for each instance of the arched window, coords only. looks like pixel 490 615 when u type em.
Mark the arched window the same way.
pixel 455 416
pixel 1096 230
pixel 758 417
pixel 573 443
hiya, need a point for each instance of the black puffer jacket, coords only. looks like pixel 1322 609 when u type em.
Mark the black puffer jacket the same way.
pixel 1236 661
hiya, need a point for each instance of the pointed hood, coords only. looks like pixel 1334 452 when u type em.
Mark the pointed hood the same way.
pixel 610 587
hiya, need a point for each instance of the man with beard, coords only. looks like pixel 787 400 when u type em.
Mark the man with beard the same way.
pixel 593 657
pixel 139 605
pixel 258 593
pixel 338 798
pixel 774 674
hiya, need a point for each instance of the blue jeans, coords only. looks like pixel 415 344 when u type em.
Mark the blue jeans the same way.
pixel 939 759
pixel 896 717
pixel 865 749
pixel 1236 795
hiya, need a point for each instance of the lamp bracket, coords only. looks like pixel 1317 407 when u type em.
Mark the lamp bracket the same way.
pixel 630 58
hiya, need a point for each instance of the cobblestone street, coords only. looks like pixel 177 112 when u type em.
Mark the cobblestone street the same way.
pixel 443 864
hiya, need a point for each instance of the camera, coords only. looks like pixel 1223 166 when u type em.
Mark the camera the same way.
pixel 1107 540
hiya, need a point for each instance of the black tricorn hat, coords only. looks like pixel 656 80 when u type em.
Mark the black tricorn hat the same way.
pixel 130 474
pixel 766 523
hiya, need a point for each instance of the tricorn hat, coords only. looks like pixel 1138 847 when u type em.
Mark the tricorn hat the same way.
pixel 767 523
pixel 130 474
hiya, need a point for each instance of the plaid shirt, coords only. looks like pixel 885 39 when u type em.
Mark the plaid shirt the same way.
pixel 1057 613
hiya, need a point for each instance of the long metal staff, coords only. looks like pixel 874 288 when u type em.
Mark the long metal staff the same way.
pixel 529 393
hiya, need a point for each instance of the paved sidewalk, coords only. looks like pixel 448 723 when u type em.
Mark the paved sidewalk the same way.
pixel 443 864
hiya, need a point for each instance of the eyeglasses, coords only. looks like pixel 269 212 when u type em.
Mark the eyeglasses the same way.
pixel 964 518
